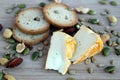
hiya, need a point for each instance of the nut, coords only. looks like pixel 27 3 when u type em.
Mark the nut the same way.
pixel 9 77
pixel 87 61
pixel 112 19
pixel 110 69
pixel 106 51
pixel 71 72
pixel 20 47
pixel 3 61
pixel 1 75
pixel 105 37
pixel 35 56
pixel 14 62
pixel 90 70
pixel 69 30
pixel 7 33
pixel 93 59
pixel 100 65
pixel 82 10
pixel 7 47
pixel 58 1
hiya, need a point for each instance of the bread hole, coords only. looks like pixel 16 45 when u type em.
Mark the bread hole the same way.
pixel 19 34
pixel 37 18
pixel 18 21
pixel 56 11
pixel 66 17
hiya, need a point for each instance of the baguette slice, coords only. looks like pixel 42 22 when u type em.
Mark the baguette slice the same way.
pixel 31 21
pixel 88 44
pixel 61 50
pixel 29 38
pixel 60 15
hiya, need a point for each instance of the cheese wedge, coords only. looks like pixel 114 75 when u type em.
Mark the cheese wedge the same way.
pixel 88 44
pixel 61 49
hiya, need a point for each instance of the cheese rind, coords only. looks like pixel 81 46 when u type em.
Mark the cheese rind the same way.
pixel 88 44
pixel 61 50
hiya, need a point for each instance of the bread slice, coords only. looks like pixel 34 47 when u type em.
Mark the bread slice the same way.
pixel 60 15
pixel 29 38
pixel 31 21
pixel 61 49
pixel 88 44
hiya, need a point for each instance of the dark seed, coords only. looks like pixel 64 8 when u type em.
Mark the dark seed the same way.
pixel 110 69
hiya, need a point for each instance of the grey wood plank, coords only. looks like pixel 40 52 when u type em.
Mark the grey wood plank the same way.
pixel 30 70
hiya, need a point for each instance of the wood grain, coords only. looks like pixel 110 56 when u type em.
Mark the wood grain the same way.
pixel 30 70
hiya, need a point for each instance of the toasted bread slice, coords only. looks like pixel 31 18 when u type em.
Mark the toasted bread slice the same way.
pixel 29 38
pixel 88 44
pixel 31 21
pixel 61 50
pixel 60 15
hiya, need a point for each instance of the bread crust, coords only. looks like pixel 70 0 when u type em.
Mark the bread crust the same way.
pixel 48 6
pixel 31 42
pixel 28 31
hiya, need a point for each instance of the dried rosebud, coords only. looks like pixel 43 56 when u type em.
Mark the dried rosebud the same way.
pixel 14 62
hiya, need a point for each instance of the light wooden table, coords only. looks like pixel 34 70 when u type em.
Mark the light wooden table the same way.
pixel 30 70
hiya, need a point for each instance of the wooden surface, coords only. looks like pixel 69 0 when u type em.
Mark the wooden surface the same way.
pixel 30 70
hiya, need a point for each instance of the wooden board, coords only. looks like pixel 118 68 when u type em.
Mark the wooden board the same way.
pixel 34 70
